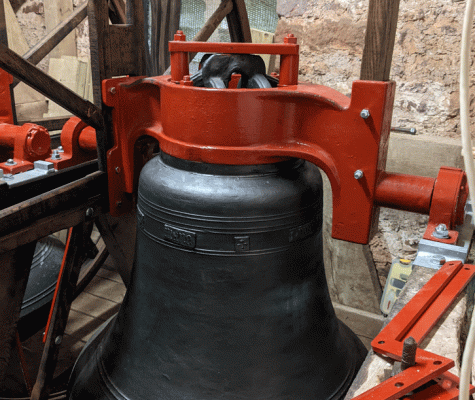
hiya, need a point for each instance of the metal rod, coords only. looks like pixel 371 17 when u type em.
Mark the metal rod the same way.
pixel 43 83
pixel 411 131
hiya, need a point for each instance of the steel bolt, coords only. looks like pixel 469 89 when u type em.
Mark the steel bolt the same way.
pixel 89 212
pixel 117 170
pixel 10 161
pixel 365 113
pixel 409 348
pixel 58 340
pixel 55 155
pixel 60 149
pixel 113 90
pixel 358 174
pixel 118 204
pixel 441 232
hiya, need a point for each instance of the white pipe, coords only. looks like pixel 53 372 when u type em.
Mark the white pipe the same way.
pixel 467 152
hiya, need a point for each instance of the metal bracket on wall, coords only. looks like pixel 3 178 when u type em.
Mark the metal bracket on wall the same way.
pixel 416 320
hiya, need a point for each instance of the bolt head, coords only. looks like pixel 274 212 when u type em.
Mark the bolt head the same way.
pixel 113 90
pixel 58 340
pixel 89 212
pixel 365 113
pixel 60 149
pixel 10 161
pixel 117 170
pixel 441 232
pixel 358 174
pixel 55 155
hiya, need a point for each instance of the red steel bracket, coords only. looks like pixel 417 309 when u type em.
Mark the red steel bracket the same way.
pixel 448 203
pixel 256 126
pixel 79 144
pixel 417 319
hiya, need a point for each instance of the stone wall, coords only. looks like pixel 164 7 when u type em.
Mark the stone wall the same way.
pixel 425 61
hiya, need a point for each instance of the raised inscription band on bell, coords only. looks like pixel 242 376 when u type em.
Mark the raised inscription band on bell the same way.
pixel 236 242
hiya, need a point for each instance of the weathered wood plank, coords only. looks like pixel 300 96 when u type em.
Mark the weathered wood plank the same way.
pixel 379 40
pixel 422 155
pixel 365 324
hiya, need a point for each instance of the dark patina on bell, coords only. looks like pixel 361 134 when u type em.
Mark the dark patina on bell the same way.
pixel 228 297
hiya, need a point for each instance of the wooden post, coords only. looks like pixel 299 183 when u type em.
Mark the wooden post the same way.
pixel 379 40
pixel 14 271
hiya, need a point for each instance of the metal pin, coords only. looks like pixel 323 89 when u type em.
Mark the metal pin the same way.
pixel 409 348
pixel 411 131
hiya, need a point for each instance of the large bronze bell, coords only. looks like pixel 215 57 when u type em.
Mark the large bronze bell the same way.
pixel 228 297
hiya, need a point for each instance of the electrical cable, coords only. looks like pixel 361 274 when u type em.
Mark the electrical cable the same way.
pixel 467 151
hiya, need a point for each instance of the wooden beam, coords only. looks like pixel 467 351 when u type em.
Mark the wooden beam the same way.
pixel 224 8
pixel 38 80
pixel 49 204
pixel 238 23
pixel 379 40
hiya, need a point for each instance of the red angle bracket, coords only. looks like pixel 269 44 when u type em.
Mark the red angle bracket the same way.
pixel 346 138
pixel 417 319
